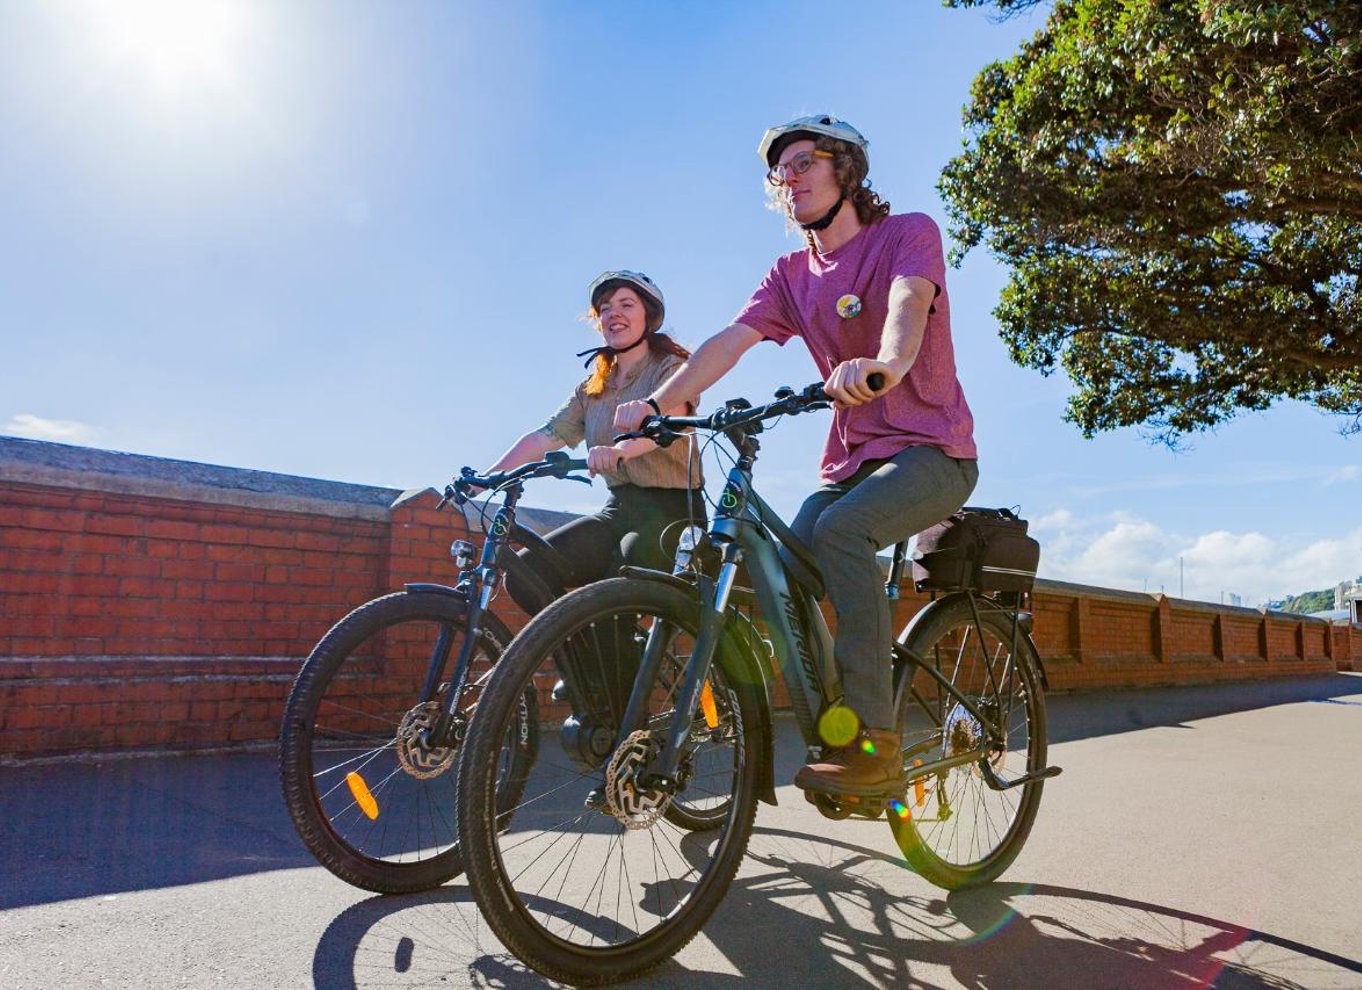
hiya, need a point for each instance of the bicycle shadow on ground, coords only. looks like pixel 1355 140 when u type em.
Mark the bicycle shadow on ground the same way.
pixel 813 911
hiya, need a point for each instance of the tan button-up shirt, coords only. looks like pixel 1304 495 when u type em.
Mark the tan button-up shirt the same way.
pixel 592 418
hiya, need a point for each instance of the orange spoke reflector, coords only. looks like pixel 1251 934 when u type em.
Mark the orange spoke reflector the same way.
pixel 919 788
pixel 708 707
pixel 363 797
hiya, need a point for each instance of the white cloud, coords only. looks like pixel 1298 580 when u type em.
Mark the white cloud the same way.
pixel 61 430
pixel 1123 551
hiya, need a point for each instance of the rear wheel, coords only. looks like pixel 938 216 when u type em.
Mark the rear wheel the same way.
pixel 370 797
pixel 952 827
pixel 592 888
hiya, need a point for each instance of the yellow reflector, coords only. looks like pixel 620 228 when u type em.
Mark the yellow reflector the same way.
pixel 363 798
pixel 838 725
pixel 707 706
pixel 919 788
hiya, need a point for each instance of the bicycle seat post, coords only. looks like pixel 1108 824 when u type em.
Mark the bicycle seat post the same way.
pixel 891 587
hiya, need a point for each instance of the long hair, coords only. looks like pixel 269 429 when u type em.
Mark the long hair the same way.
pixel 658 343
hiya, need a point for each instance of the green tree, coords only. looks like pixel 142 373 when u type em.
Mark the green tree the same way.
pixel 1310 601
pixel 1176 188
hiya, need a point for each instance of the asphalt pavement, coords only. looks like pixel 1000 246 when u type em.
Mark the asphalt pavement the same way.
pixel 1198 837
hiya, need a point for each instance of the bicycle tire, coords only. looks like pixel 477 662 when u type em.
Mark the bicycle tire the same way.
pixel 954 857
pixel 348 711
pixel 513 914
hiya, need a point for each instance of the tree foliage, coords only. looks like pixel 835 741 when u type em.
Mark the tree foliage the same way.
pixel 1176 187
pixel 1309 601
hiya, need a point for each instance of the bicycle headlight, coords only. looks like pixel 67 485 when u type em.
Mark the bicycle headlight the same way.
pixel 463 553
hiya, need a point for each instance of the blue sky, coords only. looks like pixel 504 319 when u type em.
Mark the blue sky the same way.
pixel 352 241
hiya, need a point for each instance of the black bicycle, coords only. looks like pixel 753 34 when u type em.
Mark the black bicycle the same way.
pixel 377 714
pixel 586 876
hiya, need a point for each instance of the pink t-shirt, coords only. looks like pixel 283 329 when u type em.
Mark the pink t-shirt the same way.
pixel 803 295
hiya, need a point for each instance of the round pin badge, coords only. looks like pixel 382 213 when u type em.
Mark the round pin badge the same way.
pixel 849 306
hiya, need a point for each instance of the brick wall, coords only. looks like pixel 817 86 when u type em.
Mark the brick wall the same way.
pixel 154 603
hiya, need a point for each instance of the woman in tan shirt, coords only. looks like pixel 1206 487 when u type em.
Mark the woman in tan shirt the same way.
pixel 651 488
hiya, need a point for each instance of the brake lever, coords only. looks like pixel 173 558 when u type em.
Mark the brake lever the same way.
pixel 575 477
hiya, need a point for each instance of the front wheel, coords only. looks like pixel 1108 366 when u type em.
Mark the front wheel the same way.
pixel 597 875
pixel 952 827
pixel 370 794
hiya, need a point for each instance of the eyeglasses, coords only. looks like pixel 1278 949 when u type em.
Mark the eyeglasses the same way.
pixel 778 175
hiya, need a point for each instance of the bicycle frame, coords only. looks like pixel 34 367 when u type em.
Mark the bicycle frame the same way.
pixel 476 586
pixel 745 530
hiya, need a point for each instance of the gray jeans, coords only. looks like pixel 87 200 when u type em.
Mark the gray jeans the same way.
pixel 846 524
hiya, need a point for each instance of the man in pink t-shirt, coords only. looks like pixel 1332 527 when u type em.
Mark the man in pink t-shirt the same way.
pixel 867 296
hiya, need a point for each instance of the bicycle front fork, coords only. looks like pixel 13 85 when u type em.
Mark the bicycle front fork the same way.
pixel 662 771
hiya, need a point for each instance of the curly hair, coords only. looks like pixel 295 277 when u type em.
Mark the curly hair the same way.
pixel 851 167
pixel 658 343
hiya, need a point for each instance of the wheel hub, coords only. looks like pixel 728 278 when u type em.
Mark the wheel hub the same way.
pixel 631 806
pixel 415 757
pixel 961 732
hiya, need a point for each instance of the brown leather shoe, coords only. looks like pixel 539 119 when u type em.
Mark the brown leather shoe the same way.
pixel 870 767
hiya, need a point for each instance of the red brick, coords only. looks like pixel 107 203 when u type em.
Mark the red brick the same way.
pixel 20 583
pixel 93 543
pixel 31 539
pixel 173 530
pixel 145 588
pixel 58 519
pixel 30 560
pixel 123 525
pixel 228 592
pixel 137 567
pixel 239 572
pixel 214 533
pixel 318 541
pixel 198 570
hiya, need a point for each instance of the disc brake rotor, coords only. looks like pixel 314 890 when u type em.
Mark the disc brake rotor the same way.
pixel 633 808
pixel 415 757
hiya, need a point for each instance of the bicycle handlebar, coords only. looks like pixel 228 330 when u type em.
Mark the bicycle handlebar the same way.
pixel 662 430
pixel 554 465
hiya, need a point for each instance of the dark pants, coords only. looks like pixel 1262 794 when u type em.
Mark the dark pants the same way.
pixel 636 526
pixel 846 524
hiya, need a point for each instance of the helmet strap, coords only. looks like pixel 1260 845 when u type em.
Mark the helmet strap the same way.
pixel 825 221
pixel 591 353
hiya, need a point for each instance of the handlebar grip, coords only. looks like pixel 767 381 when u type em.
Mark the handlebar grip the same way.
pixel 875 380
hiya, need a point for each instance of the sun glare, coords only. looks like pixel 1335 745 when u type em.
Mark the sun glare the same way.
pixel 174 44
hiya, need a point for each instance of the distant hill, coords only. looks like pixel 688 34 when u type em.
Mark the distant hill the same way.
pixel 1309 601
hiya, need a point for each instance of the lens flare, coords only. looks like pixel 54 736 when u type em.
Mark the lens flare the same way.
pixel 900 809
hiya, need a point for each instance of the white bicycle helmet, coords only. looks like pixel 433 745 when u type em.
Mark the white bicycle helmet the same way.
pixel 636 280
pixel 819 125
